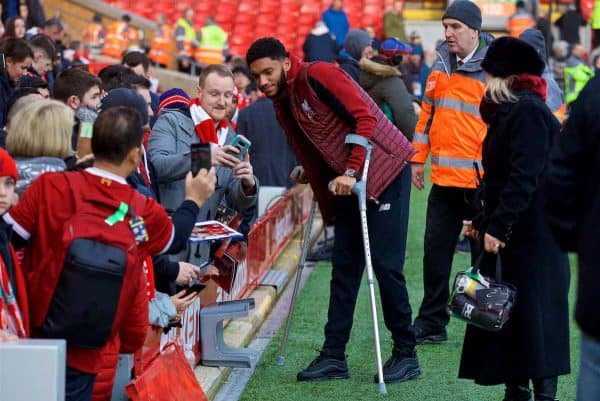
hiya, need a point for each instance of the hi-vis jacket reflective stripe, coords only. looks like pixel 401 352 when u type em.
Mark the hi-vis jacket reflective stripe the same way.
pixel 450 126
pixel 185 36
pixel 213 40
pixel 161 47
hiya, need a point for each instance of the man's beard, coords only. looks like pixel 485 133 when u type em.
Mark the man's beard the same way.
pixel 282 84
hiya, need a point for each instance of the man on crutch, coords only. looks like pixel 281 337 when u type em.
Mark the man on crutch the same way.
pixel 317 105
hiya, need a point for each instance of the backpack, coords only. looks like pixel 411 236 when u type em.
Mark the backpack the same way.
pixel 100 253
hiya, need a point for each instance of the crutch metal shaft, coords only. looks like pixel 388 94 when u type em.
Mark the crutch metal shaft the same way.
pixel 305 244
pixel 360 189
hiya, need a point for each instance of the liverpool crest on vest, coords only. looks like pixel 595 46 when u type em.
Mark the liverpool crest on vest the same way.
pixel 308 110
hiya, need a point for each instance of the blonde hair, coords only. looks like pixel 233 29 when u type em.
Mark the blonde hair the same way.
pixel 497 90
pixel 41 128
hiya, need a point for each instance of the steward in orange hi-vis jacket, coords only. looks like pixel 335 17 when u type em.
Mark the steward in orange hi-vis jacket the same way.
pixel 450 128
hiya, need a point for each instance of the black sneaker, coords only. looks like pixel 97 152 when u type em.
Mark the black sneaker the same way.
pixel 400 367
pixel 324 367
pixel 324 252
pixel 424 335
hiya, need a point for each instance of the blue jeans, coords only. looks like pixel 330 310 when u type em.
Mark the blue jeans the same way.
pixel 588 385
pixel 79 385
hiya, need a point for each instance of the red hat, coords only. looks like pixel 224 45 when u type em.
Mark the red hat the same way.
pixel 8 167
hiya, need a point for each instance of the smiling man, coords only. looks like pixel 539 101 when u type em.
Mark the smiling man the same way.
pixel 451 129
pixel 203 121
pixel 317 105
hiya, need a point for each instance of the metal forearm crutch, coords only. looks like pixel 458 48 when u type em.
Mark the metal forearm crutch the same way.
pixel 360 190
pixel 305 244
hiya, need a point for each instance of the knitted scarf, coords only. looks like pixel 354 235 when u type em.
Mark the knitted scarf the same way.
pixel 204 124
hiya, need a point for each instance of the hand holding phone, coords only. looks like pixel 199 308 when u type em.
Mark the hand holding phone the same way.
pixel 242 144
pixel 200 157
pixel 194 288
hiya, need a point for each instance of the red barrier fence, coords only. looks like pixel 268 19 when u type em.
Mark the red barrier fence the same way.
pixel 266 240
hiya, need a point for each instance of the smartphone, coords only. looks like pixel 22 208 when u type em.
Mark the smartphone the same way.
pixel 194 288
pixel 200 156
pixel 242 144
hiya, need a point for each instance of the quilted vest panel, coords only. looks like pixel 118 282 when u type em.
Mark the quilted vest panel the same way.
pixel 327 131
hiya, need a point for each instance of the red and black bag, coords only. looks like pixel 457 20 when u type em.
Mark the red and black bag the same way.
pixel 101 252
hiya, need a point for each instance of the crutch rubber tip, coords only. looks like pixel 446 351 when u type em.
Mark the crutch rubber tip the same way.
pixel 382 389
pixel 280 360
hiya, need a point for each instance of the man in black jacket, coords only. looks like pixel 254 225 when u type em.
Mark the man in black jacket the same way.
pixel 573 211
pixel 271 154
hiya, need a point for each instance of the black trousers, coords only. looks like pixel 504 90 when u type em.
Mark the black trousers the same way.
pixel 447 207
pixel 388 225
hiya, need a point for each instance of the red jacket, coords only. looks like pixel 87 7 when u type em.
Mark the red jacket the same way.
pixel 320 106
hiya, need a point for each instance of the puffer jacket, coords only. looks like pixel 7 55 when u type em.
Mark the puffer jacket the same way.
pixel 31 168
pixel 385 85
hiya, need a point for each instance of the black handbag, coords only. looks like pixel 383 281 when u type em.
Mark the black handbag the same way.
pixel 482 301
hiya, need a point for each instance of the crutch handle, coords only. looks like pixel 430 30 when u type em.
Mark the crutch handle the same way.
pixel 360 188
pixel 354 139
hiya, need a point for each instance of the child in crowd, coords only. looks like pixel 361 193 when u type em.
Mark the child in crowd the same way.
pixel 13 301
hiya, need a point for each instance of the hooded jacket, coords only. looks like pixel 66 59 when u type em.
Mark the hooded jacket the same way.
pixel 320 45
pixel 450 126
pixel 555 99
pixel 385 85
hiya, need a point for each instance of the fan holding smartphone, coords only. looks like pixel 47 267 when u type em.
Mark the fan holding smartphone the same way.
pixel 200 157
pixel 242 144
pixel 176 148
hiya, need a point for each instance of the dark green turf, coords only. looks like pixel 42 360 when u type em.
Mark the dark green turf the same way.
pixel 439 362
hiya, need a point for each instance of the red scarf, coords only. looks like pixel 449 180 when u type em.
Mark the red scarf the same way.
pixel 10 315
pixel 534 83
pixel 204 124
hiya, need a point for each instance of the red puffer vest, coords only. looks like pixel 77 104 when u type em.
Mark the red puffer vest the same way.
pixel 317 125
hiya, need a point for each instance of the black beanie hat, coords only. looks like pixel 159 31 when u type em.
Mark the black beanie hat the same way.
pixel 508 56
pixel 466 12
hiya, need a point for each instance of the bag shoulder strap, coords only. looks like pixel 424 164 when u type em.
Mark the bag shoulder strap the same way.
pixel 477 265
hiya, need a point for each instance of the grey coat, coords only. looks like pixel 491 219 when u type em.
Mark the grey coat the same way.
pixel 169 151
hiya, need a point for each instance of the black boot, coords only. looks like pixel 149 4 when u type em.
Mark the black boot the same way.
pixel 326 366
pixel 517 390
pixel 545 388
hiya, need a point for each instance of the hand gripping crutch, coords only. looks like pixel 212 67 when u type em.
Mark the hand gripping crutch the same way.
pixel 305 244
pixel 360 190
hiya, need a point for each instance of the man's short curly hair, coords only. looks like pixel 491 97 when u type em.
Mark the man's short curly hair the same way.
pixel 266 47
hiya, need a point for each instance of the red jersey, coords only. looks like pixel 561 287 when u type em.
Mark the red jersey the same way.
pixel 39 217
